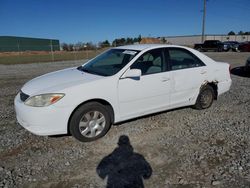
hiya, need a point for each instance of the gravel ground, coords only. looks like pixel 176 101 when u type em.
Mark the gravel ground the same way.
pixel 184 147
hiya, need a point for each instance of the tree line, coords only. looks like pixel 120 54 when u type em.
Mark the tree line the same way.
pixel 239 33
pixel 103 44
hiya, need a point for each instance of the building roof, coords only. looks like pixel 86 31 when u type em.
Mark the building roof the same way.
pixel 141 47
pixel 150 40
pixel 33 38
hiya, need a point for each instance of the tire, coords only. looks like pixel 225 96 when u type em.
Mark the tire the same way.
pixel 199 49
pixel 218 50
pixel 90 122
pixel 205 98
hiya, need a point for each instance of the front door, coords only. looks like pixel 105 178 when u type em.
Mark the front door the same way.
pixel 149 93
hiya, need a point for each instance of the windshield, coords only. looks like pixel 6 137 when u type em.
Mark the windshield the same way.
pixel 110 62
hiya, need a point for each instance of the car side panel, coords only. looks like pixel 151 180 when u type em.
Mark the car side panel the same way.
pixel 145 95
pixel 186 85
pixel 221 75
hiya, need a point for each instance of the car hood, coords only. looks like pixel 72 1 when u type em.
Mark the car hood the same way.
pixel 57 81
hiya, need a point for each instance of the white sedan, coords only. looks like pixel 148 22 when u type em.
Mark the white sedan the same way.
pixel 120 84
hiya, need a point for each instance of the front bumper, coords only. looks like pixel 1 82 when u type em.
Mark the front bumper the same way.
pixel 50 120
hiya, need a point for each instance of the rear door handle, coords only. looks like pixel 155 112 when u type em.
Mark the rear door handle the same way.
pixel 164 79
pixel 203 72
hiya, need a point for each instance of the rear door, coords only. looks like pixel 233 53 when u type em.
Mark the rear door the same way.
pixel 188 73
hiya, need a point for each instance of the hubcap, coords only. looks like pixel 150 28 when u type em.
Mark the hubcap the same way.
pixel 206 98
pixel 92 124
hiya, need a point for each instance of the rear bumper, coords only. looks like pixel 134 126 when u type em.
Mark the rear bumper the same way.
pixel 42 121
pixel 224 86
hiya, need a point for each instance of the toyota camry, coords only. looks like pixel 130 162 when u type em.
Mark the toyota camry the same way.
pixel 120 84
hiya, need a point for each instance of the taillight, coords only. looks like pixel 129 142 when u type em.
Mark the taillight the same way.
pixel 230 68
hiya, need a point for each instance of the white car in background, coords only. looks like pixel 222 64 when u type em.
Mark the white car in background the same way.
pixel 120 84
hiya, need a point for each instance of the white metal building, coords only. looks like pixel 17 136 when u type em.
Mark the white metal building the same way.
pixel 190 40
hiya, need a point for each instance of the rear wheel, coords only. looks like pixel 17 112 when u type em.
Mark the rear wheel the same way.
pixel 90 122
pixel 205 98
pixel 199 49
pixel 218 50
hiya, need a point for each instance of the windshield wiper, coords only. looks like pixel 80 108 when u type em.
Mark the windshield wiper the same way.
pixel 81 68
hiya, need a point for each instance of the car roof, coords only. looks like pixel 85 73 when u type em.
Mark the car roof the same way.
pixel 141 47
pixel 145 47
pixel 230 42
pixel 213 40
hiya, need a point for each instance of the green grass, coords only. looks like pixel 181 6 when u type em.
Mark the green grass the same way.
pixel 35 58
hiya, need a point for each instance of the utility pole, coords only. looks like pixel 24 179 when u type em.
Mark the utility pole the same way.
pixel 204 21
pixel 52 50
pixel 18 47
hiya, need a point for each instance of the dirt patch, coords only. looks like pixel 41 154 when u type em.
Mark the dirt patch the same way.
pixel 184 147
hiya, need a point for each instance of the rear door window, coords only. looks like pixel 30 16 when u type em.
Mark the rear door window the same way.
pixel 182 59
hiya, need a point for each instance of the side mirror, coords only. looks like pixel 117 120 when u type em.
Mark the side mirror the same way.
pixel 132 73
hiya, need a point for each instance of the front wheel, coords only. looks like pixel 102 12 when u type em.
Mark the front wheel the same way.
pixel 205 98
pixel 90 122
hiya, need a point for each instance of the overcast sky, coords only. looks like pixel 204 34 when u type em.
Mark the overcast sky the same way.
pixel 79 20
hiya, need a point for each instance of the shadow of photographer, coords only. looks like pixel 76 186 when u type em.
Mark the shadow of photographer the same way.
pixel 124 168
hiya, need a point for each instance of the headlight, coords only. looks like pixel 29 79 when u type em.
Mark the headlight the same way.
pixel 44 99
